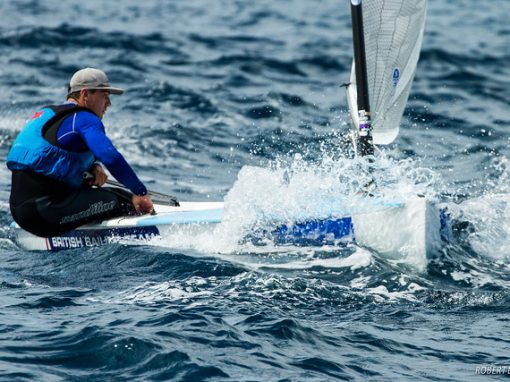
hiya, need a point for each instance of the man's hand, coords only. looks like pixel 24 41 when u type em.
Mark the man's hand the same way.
pixel 143 204
pixel 100 176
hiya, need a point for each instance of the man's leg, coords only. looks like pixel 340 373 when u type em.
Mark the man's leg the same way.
pixel 83 206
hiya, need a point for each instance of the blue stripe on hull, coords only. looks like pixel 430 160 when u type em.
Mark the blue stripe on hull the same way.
pixel 315 232
pixel 97 237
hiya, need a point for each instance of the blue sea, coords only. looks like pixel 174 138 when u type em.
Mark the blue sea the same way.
pixel 243 101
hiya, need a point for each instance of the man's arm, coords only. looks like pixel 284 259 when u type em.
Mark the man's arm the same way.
pixel 91 130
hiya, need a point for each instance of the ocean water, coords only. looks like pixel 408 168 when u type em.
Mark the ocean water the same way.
pixel 242 101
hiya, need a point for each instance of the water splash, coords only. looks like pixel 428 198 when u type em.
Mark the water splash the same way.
pixel 488 215
pixel 292 189
pixel 489 218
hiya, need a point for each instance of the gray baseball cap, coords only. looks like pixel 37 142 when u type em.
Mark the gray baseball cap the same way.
pixel 93 79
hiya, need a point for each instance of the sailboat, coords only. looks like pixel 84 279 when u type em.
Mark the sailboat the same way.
pixel 387 37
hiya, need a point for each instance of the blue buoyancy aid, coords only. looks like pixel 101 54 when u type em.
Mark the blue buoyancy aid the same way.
pixel 31 151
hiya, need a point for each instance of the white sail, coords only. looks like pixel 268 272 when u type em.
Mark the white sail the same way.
pixel 393 32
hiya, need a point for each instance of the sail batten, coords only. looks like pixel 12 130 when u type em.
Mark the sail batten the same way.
pixel 393 31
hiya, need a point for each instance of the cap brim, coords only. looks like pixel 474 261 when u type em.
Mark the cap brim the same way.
pixel 112 90
pixel 116 91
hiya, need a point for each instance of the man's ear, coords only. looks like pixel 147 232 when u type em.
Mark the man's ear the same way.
pixel 84 94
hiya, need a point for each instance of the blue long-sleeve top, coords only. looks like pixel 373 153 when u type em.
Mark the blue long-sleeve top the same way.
pixel 84 130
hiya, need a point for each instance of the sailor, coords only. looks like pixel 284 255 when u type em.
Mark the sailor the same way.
pixel 57 146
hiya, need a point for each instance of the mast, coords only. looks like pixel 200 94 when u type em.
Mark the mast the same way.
pixel 365 141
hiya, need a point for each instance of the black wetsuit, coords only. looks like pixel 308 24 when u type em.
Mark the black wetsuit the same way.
pixel 46 207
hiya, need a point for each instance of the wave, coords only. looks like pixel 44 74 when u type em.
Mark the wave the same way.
pixel 70 36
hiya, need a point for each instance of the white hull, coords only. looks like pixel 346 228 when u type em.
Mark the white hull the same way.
pixel 409 231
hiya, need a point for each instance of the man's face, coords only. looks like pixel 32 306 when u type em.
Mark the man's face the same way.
pixel 98 101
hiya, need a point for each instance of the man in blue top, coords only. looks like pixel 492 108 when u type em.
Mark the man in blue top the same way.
pixel 54 150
